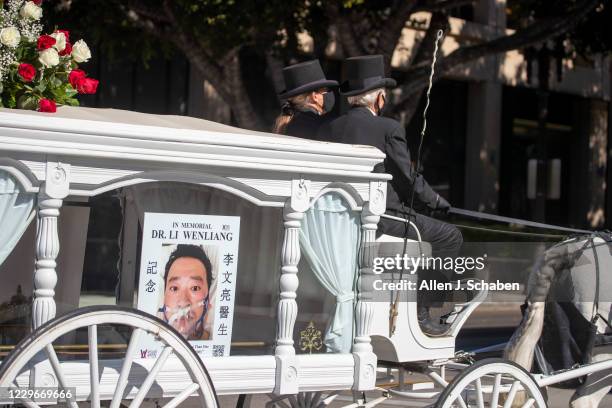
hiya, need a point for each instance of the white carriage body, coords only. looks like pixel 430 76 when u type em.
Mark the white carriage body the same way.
pixel 79 153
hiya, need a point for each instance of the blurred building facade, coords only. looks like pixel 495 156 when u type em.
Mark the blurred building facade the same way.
pixel 485 137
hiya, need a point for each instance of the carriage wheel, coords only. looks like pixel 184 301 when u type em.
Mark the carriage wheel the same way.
pixel 316 399
pixel 133 324
pixel 492 382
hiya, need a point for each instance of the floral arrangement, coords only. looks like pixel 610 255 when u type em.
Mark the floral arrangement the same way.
pixel 39 71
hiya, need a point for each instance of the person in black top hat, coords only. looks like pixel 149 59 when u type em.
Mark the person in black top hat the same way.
pixel 363 124
pixel 308 99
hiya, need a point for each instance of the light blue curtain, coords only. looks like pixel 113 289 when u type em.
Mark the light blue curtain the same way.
pixel 15 213
pixel 329 238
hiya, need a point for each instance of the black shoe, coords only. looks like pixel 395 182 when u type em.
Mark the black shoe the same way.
pixel 428 325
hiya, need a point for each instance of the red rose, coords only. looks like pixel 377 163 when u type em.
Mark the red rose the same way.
pixel 27 72
pixel 37 2
pixel 87 85
pixel 75 76
pixel 66 34
pixel 44 42
pixel 46 105
pixel 67 50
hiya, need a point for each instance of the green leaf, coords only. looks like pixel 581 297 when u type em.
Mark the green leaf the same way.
pixel 71 102
pixel 11 101
pixel 27 101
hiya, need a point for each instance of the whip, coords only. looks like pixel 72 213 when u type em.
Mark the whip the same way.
pixel 393 311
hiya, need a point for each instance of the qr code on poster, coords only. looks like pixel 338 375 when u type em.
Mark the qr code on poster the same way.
pixel 218 350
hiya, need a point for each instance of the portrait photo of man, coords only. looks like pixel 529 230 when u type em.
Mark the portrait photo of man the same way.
pixel 188 277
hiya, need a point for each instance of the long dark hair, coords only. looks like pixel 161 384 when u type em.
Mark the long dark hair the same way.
pixel 287 111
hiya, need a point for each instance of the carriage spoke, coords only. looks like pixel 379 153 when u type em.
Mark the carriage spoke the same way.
pixel 148 382
pixel 495 392
pixel 479 396
pixel 27 402
pixel 462 403
pixel 92 332
pixel 277 400
pixel 529 403
pixel 512 394
pixel 293 401
pixel 316 397
pixel 57 368
pixel 125 368
pixel 174 402
pixel 308 399
pixel 328 399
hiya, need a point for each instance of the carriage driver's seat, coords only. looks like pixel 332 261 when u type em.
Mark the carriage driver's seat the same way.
pixel 407 342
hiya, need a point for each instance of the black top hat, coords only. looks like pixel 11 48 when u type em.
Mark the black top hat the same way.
pixel 304 77
pixel 363 74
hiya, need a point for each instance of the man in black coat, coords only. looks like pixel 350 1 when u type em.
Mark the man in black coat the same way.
pixel 363 124
pixel 308 99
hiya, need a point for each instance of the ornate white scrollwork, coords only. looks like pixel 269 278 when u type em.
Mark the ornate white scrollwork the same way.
pixel 300 195
pixel 56 183
pixel 378 197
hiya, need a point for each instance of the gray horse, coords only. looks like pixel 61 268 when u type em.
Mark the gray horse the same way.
pixel 573 277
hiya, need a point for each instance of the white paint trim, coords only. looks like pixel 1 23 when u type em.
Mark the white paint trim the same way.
pixel 230 375
pixel 144 133
pixel 348 192
pixel 21 173
pixel 112 142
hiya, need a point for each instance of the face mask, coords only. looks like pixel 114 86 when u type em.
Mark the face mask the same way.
pixel 329 100
pixel 173 314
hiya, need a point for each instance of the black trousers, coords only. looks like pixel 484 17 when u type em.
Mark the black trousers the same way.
pixel 445 240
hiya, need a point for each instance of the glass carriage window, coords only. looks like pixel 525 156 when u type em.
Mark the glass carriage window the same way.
pixel 204 260
pixel 16 242
pixel 329 241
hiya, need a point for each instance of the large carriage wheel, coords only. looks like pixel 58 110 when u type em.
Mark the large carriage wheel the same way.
pixel 317 399
pixel 492 382
pixel 133 324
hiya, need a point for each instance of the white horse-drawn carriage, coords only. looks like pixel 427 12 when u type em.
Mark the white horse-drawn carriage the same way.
pixel 295 198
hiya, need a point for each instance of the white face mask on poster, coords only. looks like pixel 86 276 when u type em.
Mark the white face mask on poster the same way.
pixel 173 315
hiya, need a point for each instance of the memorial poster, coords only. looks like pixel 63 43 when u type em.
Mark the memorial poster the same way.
pixel 187 278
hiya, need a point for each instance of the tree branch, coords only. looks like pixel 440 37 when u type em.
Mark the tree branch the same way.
pixel 536 33
pixel 351 46
pixel 193 51
pixel 145 12
pixel 532 35
pixel 442 5
pixel 391 31
pixel 424 53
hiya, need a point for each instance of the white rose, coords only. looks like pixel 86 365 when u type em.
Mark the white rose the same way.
pixel 49 57
pixel 60 41
pixel 80 51
pixel 10 37
pixel 31 10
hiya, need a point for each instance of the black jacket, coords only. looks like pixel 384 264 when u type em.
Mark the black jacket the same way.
pixel 306 124
pixel 360 126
